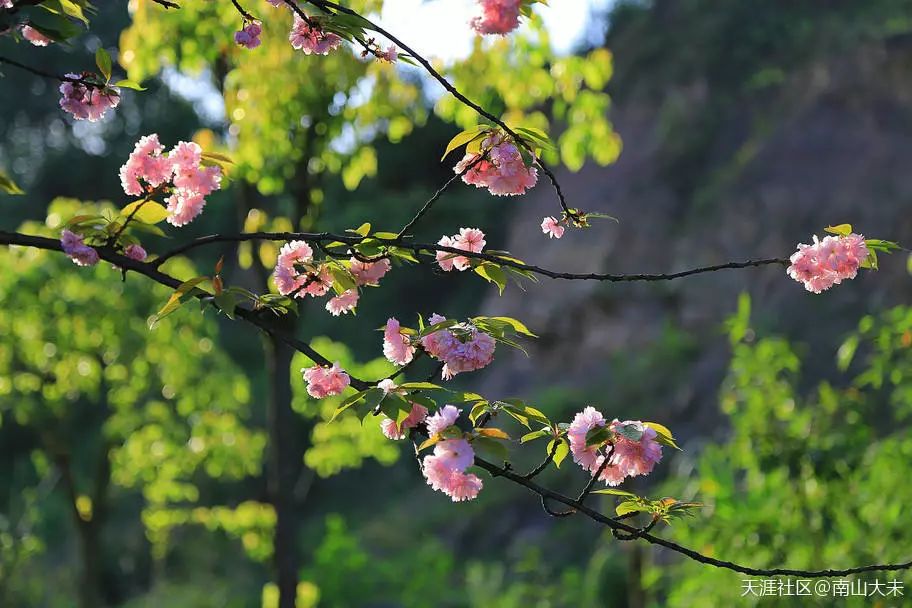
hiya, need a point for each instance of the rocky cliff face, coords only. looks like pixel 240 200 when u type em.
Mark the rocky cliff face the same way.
pixel 832 145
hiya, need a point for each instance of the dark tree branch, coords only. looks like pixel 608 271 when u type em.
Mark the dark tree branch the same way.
pixel 326 4
pixel 49 75
pixel 617 525
pixel 258 318
pixel 317 237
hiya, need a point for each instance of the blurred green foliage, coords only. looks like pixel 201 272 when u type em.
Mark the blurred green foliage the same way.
pixel 809 477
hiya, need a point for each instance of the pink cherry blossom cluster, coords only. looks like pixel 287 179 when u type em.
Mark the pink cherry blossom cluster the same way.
pixel 627 458
pixel 311 40
pixel 85 102
pixel 249 35
pixel 444 470
pixel 416 416
pixel 499 168
pixel 397 347
pixel 325 381
pixel 461 348
pixel 6 3
pixel 468 239
pixel 297 274
pixel 74 246
pixel 496 16
pixel 828 262
pixel 34 36
pixel 552 227
pixel 181 170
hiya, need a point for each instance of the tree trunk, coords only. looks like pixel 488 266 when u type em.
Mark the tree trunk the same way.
pixel 285 459
pixel 89 531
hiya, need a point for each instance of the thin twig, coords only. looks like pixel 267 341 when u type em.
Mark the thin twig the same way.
pixel 430 202
pixel 323 4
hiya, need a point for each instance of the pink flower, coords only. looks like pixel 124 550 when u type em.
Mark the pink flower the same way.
pixel 291 267
pixel 369 273
pixel 444 470
pixel 343 303
pixel 183 207
pixel 146 164
pixel 311 40
pixel 73 245
pixel 397 431
pixel 182 169
pixel 391 54
pixel 444 418
pixel 496 16
pixel 6 3
pixel 445 258
pixel 635 457
pixel 583 455
pixel 135 252
pixel 325 381
pixel 552 227
pixel 87 102
pixel 34 36
pixel 828 262
pixel 462 348
pixel 249 35
pixel 468 239
pixel 503 171
pixel 396 347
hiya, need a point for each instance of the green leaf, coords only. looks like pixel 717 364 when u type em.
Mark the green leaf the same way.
pixel 563 448
pixel 663 435
pixel 8 185
pixel 492 433
pixel 103 61
pixel 350 401
pixel 130 84
pixel 463 138
pixel 598 435
pixel 517 326
pixel 477 410
pixel 422 386
pixel 615 492
pixel 74 10
pixel 493 274
pixel 841 229
pixel 342 279
pixel 227 302
pixel 497 449
pixel 437 327
pixel 176 299
pixel 631 506
pixel 630 431
pixel 362 230
pixel 145 211
pixel 536 435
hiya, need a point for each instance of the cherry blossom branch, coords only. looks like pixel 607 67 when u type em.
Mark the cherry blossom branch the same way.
pixel 446 84
pixel 247 16
pixel 616 525
pixel 550 457
pixel 48 75
pixel 430 202
pixel 167 3
pixel 150 270
pixel 421 248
